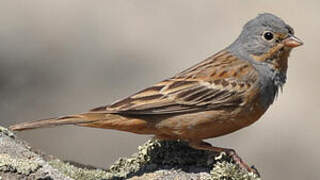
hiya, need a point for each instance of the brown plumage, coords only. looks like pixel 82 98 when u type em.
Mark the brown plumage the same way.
pixel 190 93
pixel 226 92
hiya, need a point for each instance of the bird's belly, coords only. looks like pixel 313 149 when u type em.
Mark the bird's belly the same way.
pixel 203 125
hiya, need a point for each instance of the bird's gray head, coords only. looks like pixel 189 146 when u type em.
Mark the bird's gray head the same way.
pixel 263 33
pixel 266 42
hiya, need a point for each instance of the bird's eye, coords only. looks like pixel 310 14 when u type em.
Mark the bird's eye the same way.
pixel 268 35
pixel 290 32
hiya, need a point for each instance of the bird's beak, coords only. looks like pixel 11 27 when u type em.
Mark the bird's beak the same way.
pixel 292 41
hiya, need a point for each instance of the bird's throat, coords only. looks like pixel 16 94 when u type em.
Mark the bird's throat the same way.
pixel 276 57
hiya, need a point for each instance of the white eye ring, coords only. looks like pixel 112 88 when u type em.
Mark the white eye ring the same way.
pixel 268 36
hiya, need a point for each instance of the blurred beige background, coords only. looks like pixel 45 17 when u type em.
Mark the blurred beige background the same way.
pixel 61 57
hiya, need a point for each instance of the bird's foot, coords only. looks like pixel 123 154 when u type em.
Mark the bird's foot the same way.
pixel 230 152
pixel 236 159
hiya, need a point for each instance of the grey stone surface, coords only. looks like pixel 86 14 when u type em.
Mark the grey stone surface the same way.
pixel 154 160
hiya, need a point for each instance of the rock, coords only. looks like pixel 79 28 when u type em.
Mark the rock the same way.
pixel 18 161
pixel 154 160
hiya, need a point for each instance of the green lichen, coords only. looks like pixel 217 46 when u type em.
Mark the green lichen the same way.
pixel 228 171
pixel 224 170
pixel 21 166
pixel 156 157
pixel 6 132
pixel 79 173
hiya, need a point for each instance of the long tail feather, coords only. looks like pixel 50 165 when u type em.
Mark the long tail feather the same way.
pixel 59 121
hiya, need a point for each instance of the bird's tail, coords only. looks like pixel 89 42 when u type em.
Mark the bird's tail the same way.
pixel 80 119
pixel 90 119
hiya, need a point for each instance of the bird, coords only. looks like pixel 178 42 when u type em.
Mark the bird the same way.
pixel 225 92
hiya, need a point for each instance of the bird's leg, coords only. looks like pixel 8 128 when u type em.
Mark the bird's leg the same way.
pixel 230 152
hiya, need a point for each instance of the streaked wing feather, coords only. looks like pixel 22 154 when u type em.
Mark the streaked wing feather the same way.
pixel 207 85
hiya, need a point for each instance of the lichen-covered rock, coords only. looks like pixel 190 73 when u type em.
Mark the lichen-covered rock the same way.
pixel 163 160
pixel 164 155
pixel 21 166
pixel 154 160
pixel 225 170
pixel 18 161
pixel 79 173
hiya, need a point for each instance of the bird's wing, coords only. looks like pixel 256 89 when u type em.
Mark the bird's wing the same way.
pixel 220 81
